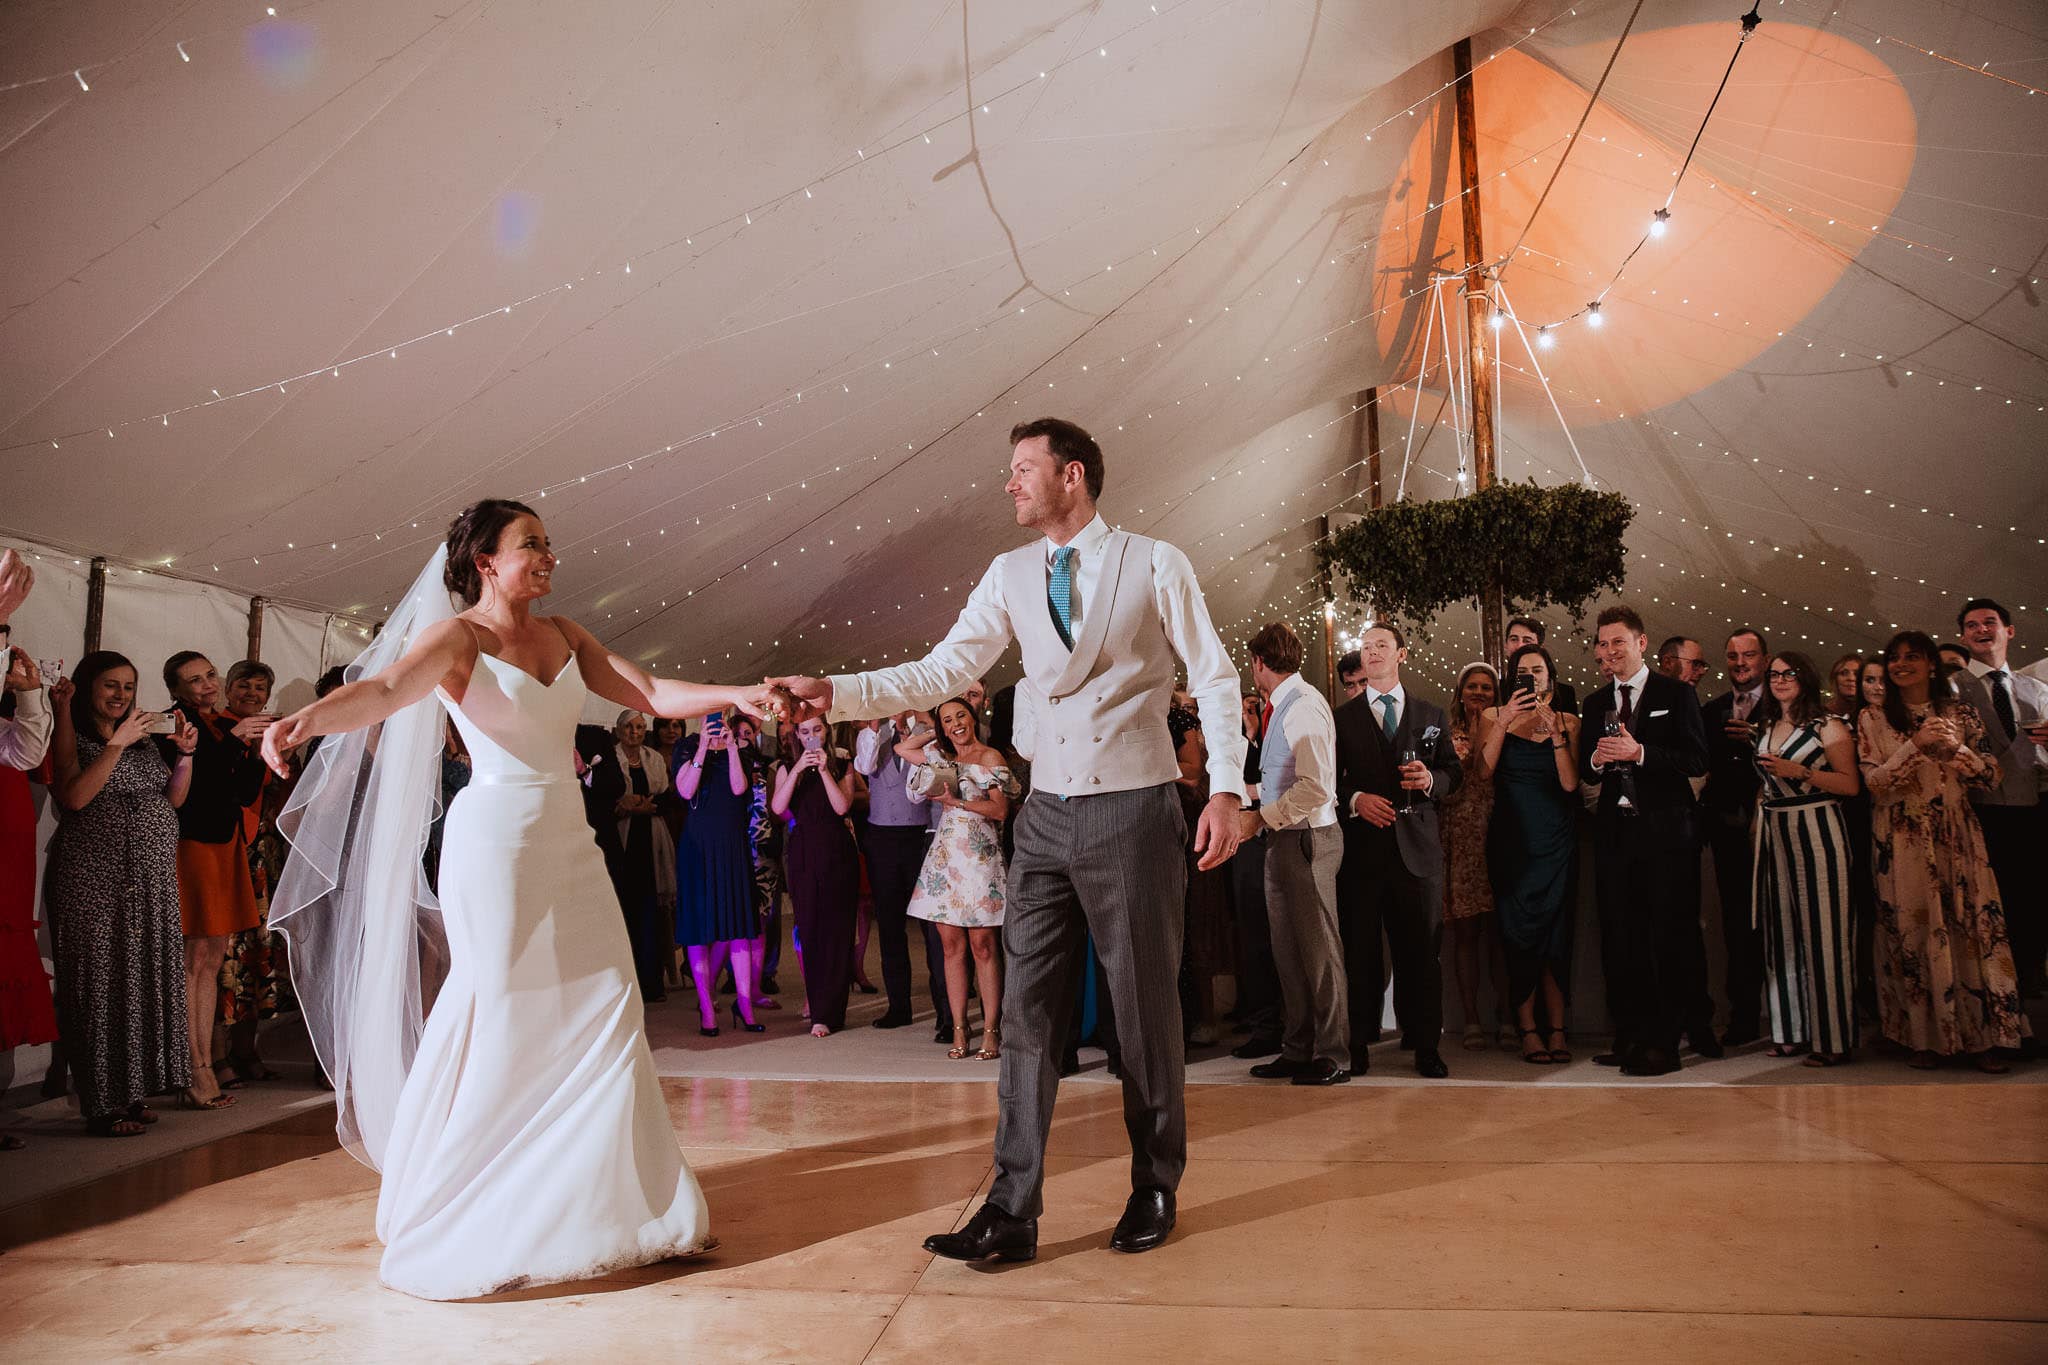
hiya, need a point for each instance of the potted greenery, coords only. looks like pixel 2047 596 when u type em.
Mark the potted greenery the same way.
pixel 1539 547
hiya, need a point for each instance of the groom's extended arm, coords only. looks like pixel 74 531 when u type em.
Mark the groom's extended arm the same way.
pixel 1212 678
pixel 969 650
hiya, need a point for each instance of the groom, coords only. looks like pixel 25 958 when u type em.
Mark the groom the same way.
pixel 1101 616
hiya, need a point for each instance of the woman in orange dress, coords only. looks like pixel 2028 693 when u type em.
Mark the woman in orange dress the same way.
pixel 216 897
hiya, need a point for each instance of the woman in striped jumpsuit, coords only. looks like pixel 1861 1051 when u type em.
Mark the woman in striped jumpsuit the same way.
pixel 1801 883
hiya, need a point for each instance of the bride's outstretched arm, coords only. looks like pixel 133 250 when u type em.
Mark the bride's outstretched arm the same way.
pixel 441 649
pixel 628 684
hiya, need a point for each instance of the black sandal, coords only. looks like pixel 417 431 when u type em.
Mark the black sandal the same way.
pixel 1559 1056
pixel 1541 1056
pixel 114 1126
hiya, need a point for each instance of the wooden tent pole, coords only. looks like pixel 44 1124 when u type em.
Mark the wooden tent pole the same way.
pixel 255 629
pixel 1478 330
pixel 95 603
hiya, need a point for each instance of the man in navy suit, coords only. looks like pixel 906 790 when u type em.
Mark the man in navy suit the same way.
pixel 1646 844
pixel 1393 871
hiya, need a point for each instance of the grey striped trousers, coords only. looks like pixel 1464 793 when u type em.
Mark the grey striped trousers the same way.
pixel 1115 866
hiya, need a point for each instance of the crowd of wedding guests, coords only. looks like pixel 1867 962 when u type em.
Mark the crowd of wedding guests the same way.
pixel 156 882
pixel 1876 833
pixel 1875 830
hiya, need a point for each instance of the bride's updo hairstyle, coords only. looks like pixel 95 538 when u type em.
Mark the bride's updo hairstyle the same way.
pixel 475 532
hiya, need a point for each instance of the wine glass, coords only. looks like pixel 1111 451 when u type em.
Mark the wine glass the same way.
pixel 1408 755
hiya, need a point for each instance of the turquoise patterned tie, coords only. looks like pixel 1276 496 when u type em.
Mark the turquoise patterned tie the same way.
pixel 1059 592
pixel 1386 705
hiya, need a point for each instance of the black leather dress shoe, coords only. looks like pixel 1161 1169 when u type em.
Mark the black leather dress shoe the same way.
pixel 1256 1047
pixel 1607 1059
pixel 1649 1062
pixel 1322 1071
pixel 1430 1066
pixel 1148 1217
pixel 943 1033
pixel 891 1021
pixel 1706 1044
pixel 1740 1037
pixel 991 1235
pixel 1280 1069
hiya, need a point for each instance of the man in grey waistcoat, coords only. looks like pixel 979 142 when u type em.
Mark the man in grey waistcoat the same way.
pixel 1101 617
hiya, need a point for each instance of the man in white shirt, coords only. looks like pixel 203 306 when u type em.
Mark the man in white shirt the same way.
pixel 898 835
pixel 1298 788
pixel 2014 710
pixel 1102 618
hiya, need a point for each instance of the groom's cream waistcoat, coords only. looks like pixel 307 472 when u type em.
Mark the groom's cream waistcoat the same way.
pixel 1097 713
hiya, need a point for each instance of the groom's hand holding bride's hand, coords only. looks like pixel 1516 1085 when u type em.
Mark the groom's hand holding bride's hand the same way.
pixel 768 700
pixel 811 698
pixel 1216 833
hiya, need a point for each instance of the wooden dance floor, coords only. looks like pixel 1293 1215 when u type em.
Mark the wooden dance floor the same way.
pixel 1587 1223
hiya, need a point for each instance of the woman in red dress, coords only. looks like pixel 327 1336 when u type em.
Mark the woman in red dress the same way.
pixel 27 1014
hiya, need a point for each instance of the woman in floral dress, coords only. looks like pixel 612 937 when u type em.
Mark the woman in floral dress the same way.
pixel 960 888
pixel 1468 900
pixel 253 984
pixel 1945 979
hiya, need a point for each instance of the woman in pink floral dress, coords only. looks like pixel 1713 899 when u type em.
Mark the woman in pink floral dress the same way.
pixel 1945 979
pixel 960 888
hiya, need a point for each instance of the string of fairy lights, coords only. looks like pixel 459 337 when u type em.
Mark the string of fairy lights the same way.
pixel 897 361
pixel 788 197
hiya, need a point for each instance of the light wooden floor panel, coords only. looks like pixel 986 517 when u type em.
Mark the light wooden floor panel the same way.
pixel 1562 1223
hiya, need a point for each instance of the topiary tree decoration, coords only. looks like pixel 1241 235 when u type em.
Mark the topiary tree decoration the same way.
pixel 1559 546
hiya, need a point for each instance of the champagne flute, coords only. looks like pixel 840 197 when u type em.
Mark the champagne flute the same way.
pixel 1408 755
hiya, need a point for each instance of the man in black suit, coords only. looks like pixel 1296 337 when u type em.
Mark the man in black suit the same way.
pixel 1730 805
pixel 1392 877
pixel 1681 657
pixel 1646 844
pixel 1526 630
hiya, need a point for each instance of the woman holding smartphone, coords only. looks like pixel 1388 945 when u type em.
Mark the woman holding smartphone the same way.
pixel 715 919
pixel 111 890
pixel 214 885
pixel 815 792
pixel 1531 752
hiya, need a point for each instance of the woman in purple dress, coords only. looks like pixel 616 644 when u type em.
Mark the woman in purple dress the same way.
pixel 814 791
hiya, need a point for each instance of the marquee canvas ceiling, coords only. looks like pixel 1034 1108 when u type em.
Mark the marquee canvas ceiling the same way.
pixel 752 292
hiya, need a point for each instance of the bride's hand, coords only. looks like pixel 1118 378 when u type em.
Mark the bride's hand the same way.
pixel 281 738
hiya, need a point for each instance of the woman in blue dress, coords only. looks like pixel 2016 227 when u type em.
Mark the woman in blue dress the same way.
pixel 715 916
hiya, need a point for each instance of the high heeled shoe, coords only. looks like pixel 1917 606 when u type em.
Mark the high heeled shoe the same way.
pixel 959 1049
pixel 707 1031
pixel 740 1023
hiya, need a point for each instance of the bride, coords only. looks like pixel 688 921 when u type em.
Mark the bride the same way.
pixel 520 1131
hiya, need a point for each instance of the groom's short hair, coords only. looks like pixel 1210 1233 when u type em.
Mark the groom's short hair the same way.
pixel 1069 444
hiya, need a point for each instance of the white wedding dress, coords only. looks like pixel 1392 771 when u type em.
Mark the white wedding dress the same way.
pixel 530 1143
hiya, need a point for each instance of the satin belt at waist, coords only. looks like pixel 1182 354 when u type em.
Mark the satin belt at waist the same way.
pixel 1794 802
pixel 523 780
